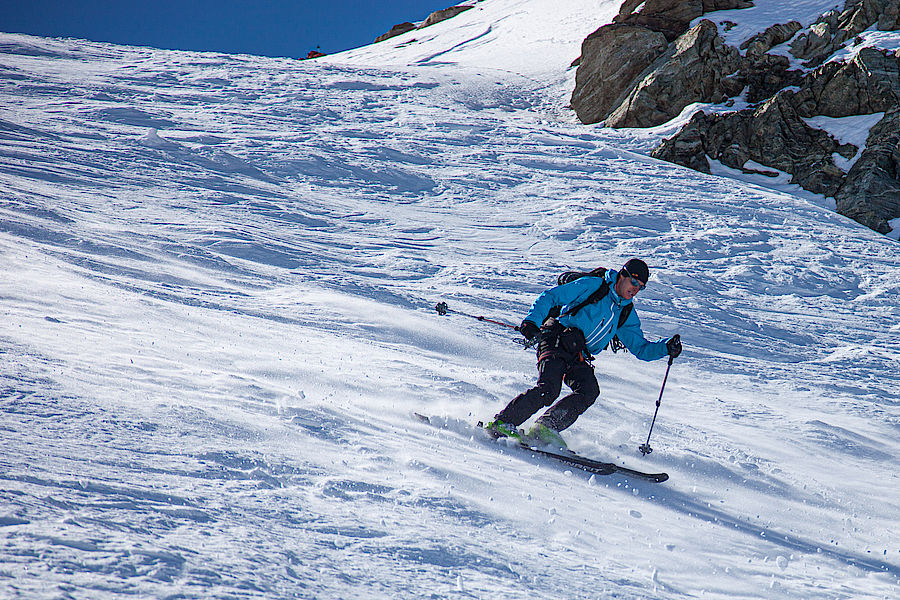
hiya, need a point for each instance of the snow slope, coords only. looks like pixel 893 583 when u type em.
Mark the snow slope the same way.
pixel 218 275
pixel 538 39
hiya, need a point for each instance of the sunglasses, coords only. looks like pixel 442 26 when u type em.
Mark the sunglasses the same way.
pixel 636 282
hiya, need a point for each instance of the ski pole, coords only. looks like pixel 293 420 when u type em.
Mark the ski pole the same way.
pixel 442 309
pixel 645 448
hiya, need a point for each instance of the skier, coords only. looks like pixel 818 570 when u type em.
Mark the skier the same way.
pixel 578 319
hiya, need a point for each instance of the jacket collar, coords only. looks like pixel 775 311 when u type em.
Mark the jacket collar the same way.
pixel 611 277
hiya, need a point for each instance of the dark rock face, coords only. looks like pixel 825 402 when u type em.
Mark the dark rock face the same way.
pixel 612 58
pixel 713 5
pixel 637 41
pixel 671 17
pixel 869 83
pixel 694 69
pixel 772 135
pixel 827 35
pixel 442 15
pixel 871 193
pixel 647 66
pixel 819 40
pixel 435 17
pixel 396 30
pixel 765 75
pixel 668 17
pixel 780 138
pixel 689 147
pixel 761 43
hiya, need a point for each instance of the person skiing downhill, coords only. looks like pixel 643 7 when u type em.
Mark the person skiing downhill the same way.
pixel 579 319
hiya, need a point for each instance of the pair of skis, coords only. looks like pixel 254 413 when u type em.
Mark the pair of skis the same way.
pixel 570 458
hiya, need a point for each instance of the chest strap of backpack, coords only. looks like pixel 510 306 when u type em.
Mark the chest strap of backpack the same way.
pixel 615 344
pixel 596 296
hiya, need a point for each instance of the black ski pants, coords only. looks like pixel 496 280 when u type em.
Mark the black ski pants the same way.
pixel 553 370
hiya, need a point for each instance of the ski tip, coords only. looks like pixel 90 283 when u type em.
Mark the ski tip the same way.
pixel 660 477
pixel 422 417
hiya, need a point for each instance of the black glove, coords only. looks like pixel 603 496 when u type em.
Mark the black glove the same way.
pixel 529 329
pixel 674 346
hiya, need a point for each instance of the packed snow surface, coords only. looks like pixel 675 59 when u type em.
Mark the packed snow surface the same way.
pixel 217 292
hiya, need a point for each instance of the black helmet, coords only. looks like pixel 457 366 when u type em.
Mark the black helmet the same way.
pixel 637 269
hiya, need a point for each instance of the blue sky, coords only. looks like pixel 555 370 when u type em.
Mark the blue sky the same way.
pixel 265 27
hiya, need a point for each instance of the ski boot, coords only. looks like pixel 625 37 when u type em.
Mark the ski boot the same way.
pixel 541 434
pixel 499 429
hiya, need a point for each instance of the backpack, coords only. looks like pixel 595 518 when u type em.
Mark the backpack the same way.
pixel 569 276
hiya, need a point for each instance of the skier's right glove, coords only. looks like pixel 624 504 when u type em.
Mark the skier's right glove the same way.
pixel 674 346
pixel 529 330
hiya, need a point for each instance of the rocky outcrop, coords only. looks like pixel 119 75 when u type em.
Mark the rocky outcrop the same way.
pixel 761 43
pixel 669 17
pixel 396 30
pixel 649 65
pixel 612 54
pixel 612 59
pixel 835 28
pixel 869 83
pixel 714 5
pixel 694 69
pixel 773 134
pixel 442 15
pixel 435 17
pixel 871 192
pixel 764 76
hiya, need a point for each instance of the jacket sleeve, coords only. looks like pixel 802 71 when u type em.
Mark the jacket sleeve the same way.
pixel 562 295
pixel 631 335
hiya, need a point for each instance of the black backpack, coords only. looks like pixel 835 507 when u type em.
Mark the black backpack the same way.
pixel 602 291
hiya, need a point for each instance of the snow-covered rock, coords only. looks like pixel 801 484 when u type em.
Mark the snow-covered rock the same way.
pixel 855 76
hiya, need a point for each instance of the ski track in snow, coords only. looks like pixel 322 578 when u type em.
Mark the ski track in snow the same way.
pixel 217 292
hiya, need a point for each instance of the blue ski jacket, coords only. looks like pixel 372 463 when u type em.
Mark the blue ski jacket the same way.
pixel 598 321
